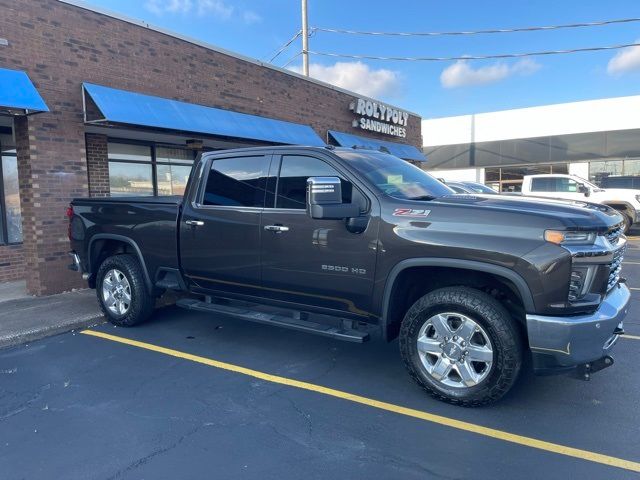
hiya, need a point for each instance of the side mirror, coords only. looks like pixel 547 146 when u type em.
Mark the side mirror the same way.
pixel 324 199
pixel 582 188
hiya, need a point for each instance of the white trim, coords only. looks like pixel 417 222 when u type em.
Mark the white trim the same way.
pixel 200 43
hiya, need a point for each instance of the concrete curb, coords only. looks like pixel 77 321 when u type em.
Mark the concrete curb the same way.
pixel 44 331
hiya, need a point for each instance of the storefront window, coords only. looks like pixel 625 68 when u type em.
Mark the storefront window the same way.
pixel 606 171
pixel 139 169
pixel 11 222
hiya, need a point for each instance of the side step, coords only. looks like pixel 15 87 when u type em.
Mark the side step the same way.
pixel 253 313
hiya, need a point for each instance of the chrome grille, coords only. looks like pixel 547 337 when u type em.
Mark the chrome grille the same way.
pixel 614 234
pixel 615 268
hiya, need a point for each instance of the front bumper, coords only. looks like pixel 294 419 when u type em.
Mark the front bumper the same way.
pixel 560 343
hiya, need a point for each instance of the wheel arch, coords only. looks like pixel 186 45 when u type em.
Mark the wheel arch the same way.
pixel 396 300
pixel 103 245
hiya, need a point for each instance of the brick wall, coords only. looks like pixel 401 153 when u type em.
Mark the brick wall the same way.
pixel 11 263
pixel 97 164
pixel 60 46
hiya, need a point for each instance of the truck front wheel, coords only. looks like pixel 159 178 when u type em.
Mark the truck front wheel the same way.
pixel 122 293
pixel 462 346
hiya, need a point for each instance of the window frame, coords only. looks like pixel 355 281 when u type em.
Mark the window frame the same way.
pixel 153 162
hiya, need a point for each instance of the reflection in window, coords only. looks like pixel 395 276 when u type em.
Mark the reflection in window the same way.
pixel 172 179
pixel 130 179
pixel 12 216
pixel 292 184
pixel 237 182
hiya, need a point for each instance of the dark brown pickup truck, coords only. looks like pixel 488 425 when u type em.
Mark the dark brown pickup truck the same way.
pixel 342 241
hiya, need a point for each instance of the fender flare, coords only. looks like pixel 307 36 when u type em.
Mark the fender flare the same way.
pixel 127 240
pixel 624 203
pixel 508 274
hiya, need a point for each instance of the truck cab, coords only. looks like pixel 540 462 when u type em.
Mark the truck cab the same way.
pixel 571 187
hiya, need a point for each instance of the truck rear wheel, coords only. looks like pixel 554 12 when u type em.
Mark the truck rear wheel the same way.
pixel 462 346
pixel 122 293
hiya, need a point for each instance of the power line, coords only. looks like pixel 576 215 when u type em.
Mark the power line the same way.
pixel 477 32
pixel 292 59
pixel 284 47
pixel 476 57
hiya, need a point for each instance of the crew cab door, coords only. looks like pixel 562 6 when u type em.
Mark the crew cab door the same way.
pixel 220 225
pixel 556 187
pixel 317 262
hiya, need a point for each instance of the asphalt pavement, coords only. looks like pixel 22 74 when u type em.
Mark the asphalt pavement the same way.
pixel 190 395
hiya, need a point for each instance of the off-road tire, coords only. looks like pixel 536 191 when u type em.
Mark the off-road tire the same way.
pixel 142 302
pixel 494 319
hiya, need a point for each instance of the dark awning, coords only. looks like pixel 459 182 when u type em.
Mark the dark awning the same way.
pixel 402 150
pixel 122 107
pixel 18 96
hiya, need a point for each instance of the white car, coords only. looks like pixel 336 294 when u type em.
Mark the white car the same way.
pixel 572 187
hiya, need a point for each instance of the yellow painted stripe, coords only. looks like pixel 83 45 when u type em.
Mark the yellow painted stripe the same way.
pixel 389 407
pixel 631 337
pixel 631 263
pixel 634 288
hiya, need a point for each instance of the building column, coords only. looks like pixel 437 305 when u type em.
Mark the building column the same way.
pixel 52 169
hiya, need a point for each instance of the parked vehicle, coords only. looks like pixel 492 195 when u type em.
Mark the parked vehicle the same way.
pixel 340 241
pixel 572 187
pixel 470 188
pixel 621 181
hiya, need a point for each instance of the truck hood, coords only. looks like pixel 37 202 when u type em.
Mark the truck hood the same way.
pixel 578 214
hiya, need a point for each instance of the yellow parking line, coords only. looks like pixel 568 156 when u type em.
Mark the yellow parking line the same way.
pixel 634 288
pixel 631 263
pixel 389 407
pixel 631 337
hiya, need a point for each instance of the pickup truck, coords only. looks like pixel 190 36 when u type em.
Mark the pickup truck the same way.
pixel 572 187
pixel 344 242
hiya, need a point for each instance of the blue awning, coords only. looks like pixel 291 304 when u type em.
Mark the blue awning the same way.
pixel 18 95
pixel 120 106
pixel 402 150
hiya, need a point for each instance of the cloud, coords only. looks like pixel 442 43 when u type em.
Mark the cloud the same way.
pixel 357 76
pixel 217 8
pixel 625 60
pixel 250 17
pixel 462 74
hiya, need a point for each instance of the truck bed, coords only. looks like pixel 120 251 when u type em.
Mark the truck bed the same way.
pixel 149 224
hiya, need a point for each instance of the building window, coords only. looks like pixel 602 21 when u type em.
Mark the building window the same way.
pixel 10 213
pixel 604 172
pixel 148 169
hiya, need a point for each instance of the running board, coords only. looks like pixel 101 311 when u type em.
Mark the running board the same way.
pixel 278 319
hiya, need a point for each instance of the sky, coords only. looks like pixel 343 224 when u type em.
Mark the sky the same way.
pixel 258 28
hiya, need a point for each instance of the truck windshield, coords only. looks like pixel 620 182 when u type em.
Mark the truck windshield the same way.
pixel 395 177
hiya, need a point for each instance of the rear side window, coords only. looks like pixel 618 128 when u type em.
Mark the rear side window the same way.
pixel 544 184
pixel 237 182
pixel 292 183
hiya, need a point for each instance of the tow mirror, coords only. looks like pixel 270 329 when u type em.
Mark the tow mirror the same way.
pixel 324 199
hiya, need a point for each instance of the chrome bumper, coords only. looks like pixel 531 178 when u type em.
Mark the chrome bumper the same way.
pixel 559 343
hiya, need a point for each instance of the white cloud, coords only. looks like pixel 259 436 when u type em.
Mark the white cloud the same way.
pixel 250 17
pixel 625 60
pixel 357 76
pixel 217 8
pixel 462 74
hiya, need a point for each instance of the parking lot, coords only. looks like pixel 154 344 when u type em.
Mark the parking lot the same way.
pixel 189 395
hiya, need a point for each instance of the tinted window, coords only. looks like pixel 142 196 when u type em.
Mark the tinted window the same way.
pixel 566 185
pixel 237 182
pixel 456 189
pixel 292 183
pixel 543 184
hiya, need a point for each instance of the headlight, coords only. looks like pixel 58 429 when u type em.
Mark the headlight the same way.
pixel 570 238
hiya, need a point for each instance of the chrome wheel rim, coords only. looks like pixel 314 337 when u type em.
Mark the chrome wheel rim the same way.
pixel 455 350
pixel 116 292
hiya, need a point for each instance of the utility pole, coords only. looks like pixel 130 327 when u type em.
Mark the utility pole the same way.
pixel 305 39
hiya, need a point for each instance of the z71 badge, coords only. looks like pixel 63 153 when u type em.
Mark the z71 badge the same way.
pixel 410 212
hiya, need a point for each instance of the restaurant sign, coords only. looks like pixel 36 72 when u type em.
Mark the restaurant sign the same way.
pixel 380 118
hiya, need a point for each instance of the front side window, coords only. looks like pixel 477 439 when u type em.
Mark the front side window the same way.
pixel 566 185
pixel 10 213
pixel 292 183
pixel 237 182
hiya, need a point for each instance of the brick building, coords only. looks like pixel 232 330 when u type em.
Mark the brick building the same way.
pixel 102 86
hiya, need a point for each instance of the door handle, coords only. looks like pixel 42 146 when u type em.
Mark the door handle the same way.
pixel 276 228
pixel 194 223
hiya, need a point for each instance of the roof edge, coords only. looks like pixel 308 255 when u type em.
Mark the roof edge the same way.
pixel 209 46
